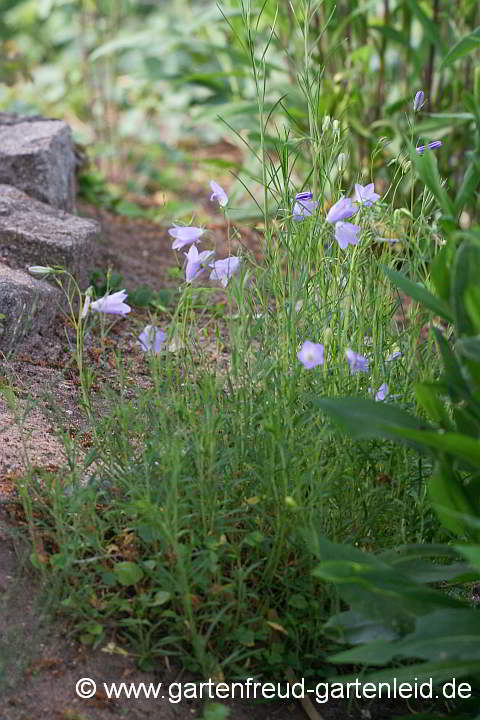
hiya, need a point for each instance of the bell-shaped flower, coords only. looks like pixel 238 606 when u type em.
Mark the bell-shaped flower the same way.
pixel 343 209
pixel 357 362
pixel 381 393
pixel 394 356
pixel 185 235
pixel 113 304
pixel 224 269
pixel 311 354
pixel 151 338
pixel 218 194
pixel 346 234
pixel 195 260
pixel 365 194
pixel 304 206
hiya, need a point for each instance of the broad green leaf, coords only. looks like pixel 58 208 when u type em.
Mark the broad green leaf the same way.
pixel 469 185
pixel 353 628
pixel 466 272
pixel 447 493
pixel 472 303
pixel 465 45
pixel 366 418
pixel 469 347
pixel 465 422
pixel 457 640
pixel 423 571
pixel 161 597
pixel 429 398
pixel 453 378
pixel 438 672
pixel 421 294
pixel 440 271
pixel 471 552
pixel 128 573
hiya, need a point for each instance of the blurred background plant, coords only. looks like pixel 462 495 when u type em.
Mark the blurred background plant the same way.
pixel 142 83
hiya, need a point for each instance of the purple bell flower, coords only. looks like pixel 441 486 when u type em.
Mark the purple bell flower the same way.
pixel 343 209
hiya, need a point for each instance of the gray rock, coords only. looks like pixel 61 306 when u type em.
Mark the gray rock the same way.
pixel 37 156
pixel 27 305
pixel 33 233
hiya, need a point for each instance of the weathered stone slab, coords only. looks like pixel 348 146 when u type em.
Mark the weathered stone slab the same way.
pixel 33 233
pixel 28 305
pixel 37 156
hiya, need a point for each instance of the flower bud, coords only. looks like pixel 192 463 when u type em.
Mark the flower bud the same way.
pixel 326 123
pixel 40 270
pixel 341 162
pixel 419 101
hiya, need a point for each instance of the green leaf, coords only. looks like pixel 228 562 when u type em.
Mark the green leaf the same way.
pixel 429 398
pixel 431 29
pixel 427 169
pixel 472 303
pixel 421 294
pixel 471 552
pixel 446 494
pixel 161 597
pixel 424 672
pixel 453 378
pixel 456 642
pixel 466 271
pixel 440 271
pixel 465 45
pixel 469 347
pixel 469 185
pixel 353 628
pixel 366 418
pixel 128 573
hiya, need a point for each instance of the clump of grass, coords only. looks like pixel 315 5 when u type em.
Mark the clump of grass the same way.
pixel 187 540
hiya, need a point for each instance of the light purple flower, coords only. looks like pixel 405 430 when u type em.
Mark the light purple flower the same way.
pixel 224 269
pixel 218 194
pixel 418 101
pixel 184 236
pixel 365 194
pixel 113 304
pixel 431 146
pixel 357 362
pixel 194 262
pixel 381 393
pixel 346 234
pixel 311 354
pixel 343 209
pixel 394 356
pixel 151 338
pixel 304 206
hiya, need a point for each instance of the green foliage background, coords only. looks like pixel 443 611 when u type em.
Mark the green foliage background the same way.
pixel 135 76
